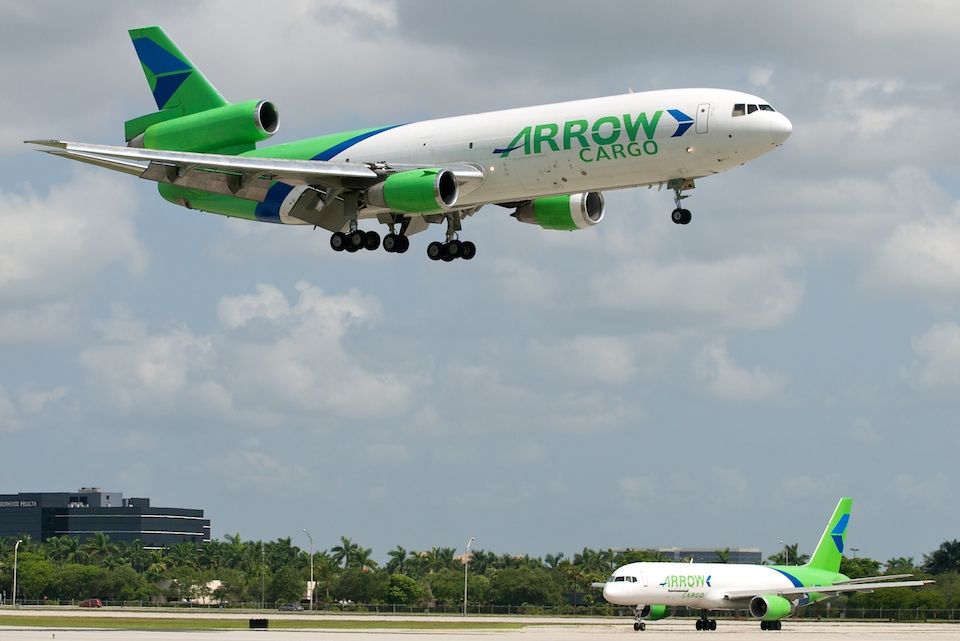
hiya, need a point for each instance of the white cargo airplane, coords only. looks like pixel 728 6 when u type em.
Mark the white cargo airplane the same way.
pixel 769 592
pixel 548 164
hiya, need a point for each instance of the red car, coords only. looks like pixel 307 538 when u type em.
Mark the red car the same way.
pixel 91 603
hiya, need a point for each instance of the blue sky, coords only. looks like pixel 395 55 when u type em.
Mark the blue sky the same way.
pixel 637 384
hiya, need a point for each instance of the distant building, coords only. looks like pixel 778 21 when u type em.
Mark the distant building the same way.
pixel 710 555
pixel 90 510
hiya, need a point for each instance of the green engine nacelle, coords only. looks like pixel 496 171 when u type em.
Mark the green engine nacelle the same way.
pixel 564 213
pixel 419 191
pixel 770 607
pixel 655 612
pixel 242 124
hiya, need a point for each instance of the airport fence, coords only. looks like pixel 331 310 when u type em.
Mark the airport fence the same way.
pixel 816 612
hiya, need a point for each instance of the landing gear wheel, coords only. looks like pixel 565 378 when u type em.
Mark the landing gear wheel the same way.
pixel 372 240
pixel 356 240
pixel 435 250
pixel 677 216
pixel 454 249
pixel 687 217
pixel 390 243
pixel 777 625
pixel 404 244
pixel 338 241
pixel 639 626
pixel 699 624
pixel 713 624
pixel 469 250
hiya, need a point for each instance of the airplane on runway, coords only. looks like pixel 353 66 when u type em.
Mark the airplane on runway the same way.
pixel 548 164
pixel 769 592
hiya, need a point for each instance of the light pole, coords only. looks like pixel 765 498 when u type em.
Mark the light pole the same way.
pixel 16 549
pixel 263 576
pixel 466 566
pixel 854 550
pixel 312 584
pixel 786 552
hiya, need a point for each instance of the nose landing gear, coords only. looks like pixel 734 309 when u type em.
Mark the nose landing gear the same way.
pixel 679 215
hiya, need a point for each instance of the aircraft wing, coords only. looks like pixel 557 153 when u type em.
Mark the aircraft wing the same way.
pixel 246 177
pixel 733 595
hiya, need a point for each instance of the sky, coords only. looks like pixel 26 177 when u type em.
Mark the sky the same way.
pixel 638 384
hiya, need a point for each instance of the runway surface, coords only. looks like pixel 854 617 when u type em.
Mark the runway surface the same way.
pixel 565 631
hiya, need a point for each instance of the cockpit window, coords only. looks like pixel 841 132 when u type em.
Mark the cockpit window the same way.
pixel 619 578
pixel 751 108
pixel 739 109
pixel 766 108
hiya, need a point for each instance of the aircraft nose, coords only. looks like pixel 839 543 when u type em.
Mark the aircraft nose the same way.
pixel 780 128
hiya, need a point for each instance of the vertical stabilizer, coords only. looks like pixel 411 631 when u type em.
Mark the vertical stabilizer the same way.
pixel 830 549
pixel 176 84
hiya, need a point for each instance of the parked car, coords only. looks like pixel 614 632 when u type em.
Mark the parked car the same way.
pixel 91 603
pixel 291 607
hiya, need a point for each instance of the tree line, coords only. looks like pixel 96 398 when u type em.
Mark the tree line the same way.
pixel 271 572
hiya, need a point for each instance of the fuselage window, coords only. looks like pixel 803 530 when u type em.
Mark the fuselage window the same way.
pixel 751 108
pixel 738 109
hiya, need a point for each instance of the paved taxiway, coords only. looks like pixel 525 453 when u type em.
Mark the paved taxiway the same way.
pixel 672 631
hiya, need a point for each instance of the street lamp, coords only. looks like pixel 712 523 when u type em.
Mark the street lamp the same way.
pixel 16 549
pixel 466 566
pixel 786 552
pixel 854 550
pixel 263 576
pixel 312 584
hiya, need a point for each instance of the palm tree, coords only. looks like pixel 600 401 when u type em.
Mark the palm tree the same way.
pixel 345 551
pixel 553 560
pixel 100 549
pixel 398 557
pixel 723 556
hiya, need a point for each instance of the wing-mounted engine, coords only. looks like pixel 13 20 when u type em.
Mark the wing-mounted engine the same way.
pixel 770 607
pixel 565 213
pixel 655 612
pixel 417 191
pixel 231 128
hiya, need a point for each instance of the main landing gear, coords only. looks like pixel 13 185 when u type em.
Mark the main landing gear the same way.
pixel 770 625
pixel 705 624
pixel 638 624
pixel 679 215
pixel 453 247
pixel 355 241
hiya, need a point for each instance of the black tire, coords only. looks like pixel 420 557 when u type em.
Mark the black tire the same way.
pixel 699 624
pixel 677 216
pixel 404 244
pixel 372 241
pixel 338 241
pixel 435 250
pixel 390 243
pixel 454 248
pixel 713 624
pixel 763 625
pixel 636 627
pixel 687 217
pixel 643 626
pixel 469 250
pixel 779 625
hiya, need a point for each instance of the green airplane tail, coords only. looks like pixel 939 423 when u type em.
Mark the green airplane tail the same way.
pixel 179 88
pixel 829 551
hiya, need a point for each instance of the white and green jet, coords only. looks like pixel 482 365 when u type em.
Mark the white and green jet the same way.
pixel 547 164
pixel 769 592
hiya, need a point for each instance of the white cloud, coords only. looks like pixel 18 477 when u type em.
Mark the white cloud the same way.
pixel 936 366
pixel 606 360
pixel 34 401
pixel 726 380
pixel 250 465
pixel 920 256
pixel 747 291
pixel 51 245
pixel 294 363
pixel 936 489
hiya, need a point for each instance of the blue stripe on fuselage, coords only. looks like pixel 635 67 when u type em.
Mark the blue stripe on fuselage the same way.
pixel 346 144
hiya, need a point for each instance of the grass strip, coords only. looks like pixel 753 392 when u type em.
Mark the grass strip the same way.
pixel 148 623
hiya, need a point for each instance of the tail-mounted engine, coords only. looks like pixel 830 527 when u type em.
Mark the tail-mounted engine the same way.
pixel 228 129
